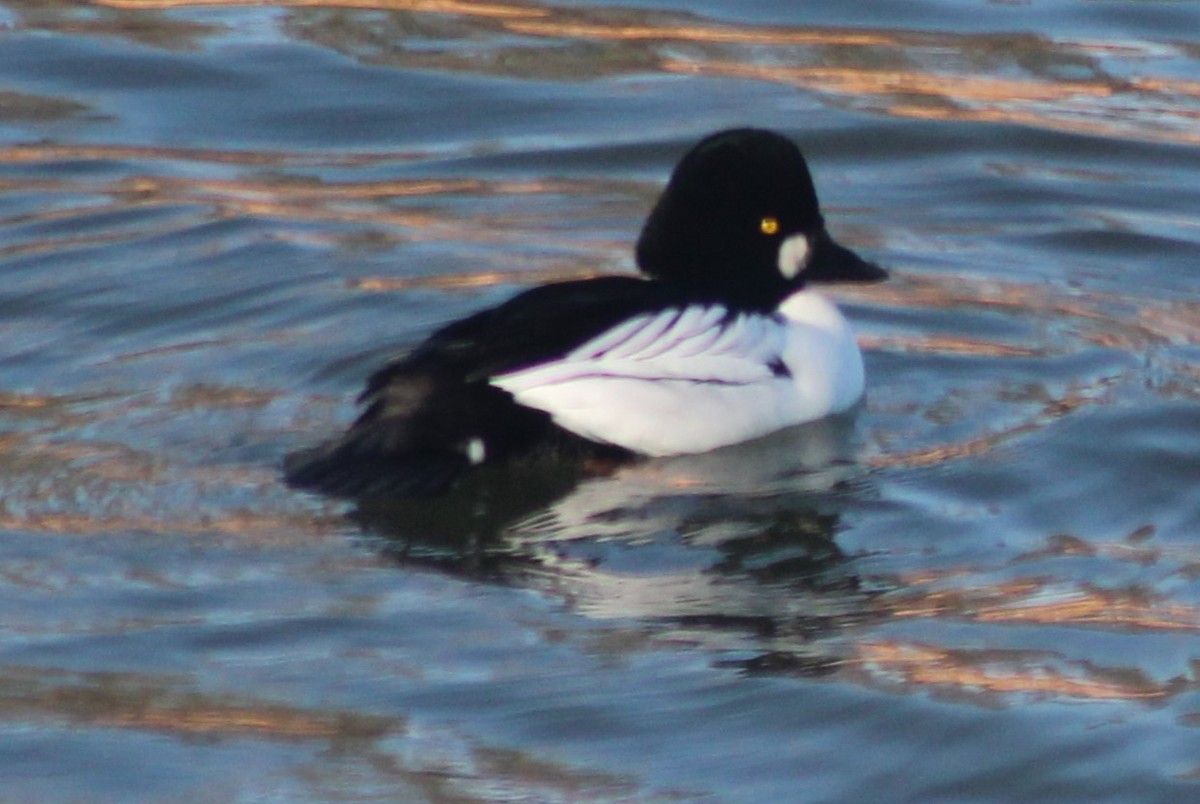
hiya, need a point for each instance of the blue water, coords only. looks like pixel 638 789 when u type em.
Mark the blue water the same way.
pixel 215 220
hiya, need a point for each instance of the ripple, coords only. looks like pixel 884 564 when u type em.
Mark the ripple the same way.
pixel 209 243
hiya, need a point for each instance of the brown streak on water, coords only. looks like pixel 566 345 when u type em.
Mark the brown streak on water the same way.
pixel 488 10
pixel 990 676
pixel 135 701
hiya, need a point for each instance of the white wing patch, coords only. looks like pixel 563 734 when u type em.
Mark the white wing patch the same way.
pixel 682 380
pixel 693 344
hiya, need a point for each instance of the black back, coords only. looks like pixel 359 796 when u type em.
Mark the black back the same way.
pixel 423 411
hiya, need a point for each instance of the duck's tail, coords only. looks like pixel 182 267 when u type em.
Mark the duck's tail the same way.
pixel 353 467
pixel 416 437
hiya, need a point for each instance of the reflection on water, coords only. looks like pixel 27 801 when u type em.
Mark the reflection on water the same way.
pixel 127 701
pixel 216 218
pixel 734 551
pixel 1085 85
pixel 737 551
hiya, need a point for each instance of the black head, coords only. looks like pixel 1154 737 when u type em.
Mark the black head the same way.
pixel 740 218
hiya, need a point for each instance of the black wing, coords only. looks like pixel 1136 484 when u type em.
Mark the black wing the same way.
pixel 432 414
pixel 533 327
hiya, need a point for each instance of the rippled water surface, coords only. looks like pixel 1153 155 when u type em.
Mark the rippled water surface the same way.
pixel 216 218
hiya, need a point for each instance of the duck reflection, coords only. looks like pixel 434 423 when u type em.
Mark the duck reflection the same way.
pixel 732 550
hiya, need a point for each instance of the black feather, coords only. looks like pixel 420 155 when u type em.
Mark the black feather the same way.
pixel 425 413
pixel 433 413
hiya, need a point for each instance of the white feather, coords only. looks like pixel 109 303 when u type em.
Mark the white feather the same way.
pixel 693 379
pixel 794 254
pixel 651 330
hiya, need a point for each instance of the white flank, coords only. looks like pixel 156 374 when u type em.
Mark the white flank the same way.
pixel 692 379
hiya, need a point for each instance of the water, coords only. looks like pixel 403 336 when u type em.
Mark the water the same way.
pixel 216 219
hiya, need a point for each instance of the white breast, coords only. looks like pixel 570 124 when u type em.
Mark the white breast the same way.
pixel 693 379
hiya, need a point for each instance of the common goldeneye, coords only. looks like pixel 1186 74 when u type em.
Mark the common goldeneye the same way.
pixel 722 342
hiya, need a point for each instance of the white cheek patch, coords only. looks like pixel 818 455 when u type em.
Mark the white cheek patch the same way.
pixel 794 254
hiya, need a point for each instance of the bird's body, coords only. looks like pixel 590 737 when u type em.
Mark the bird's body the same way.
pixel 716 375
pixel 722 343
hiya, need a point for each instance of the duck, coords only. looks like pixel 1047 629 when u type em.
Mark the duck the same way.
pixel 720 340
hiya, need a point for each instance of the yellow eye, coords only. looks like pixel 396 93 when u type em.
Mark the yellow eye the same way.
pixel 768 226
